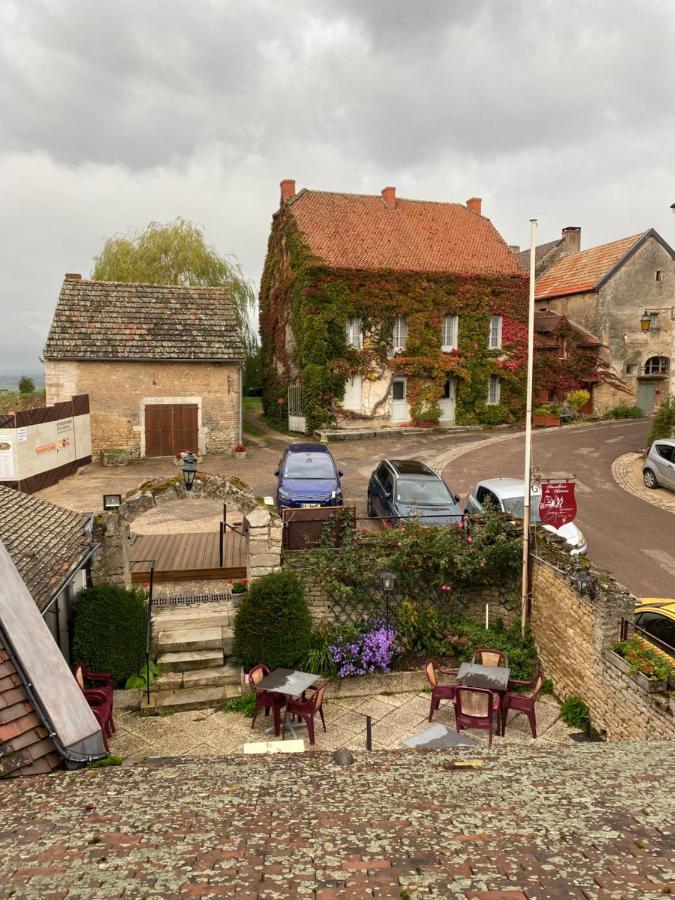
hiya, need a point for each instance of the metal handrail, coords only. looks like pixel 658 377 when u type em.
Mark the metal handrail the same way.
pixel 628 627
pixel 148 626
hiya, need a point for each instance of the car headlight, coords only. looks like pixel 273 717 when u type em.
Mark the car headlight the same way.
pixel 284 495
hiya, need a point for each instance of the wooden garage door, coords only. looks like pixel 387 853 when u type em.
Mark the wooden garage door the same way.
pixel 170 428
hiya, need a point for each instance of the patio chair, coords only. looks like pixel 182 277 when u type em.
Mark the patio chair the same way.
pixel 438 691
pixel 99 715
pixel 102 710
pixel 475 708
pixel 265 699
pixel 525 703
pixel 101 683
pixel 307 709
pixel 487 657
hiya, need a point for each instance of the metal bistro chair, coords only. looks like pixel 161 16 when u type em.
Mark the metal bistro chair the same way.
pixel 487 657
pixel 265 699
pixel 475 708
pixel 438 691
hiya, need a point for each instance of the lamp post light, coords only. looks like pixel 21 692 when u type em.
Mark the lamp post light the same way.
pixel 387 583
pixel 583 583
pixel 645 321
pixel 189 469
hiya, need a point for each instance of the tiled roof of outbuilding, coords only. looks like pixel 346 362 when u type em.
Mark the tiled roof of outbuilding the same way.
pixel 45 541
pixel 546 322
pixel 25 745
pixel 582 271
pixel 112 320
pixel 360 231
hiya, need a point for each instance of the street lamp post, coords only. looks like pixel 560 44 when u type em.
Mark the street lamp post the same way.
pixel 525 589
pixel 189 470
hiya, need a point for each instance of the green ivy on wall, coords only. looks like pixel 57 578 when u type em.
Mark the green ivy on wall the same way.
pixel 304 307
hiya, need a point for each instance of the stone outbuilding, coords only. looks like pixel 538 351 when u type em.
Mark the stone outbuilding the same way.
pixel 606 290
pixel 162 364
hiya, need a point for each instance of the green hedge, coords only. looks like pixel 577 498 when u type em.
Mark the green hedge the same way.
pixel 109 630
pixel 663 425
pixel 273 625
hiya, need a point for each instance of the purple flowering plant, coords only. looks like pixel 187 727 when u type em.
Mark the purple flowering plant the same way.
pixel 370 651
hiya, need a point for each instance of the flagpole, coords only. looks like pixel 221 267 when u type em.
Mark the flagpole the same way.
pixel 528 435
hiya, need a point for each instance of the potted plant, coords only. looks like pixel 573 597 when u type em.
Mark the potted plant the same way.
pixel 546 416
pixel 649 669
pixel 239 587
pixel 239 451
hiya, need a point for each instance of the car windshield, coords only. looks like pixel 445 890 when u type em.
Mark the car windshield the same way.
pixel 429 492
pixel 309 465
pixel 514 506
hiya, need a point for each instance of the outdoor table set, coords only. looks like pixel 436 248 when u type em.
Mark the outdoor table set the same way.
pixel 286 688
pixel 289 683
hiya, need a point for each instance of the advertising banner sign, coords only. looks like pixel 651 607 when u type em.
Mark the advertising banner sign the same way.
pixel 558 504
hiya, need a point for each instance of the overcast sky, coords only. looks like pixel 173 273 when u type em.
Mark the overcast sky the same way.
pixel 115 114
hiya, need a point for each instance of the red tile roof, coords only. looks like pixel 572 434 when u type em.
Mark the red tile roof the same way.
pixel 359 231
pixel 582 271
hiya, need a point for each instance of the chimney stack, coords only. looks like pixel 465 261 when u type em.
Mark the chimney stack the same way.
pixel 73 276
pixel 572 237
pixel 474 204
pixel 389 197
pixel 287 189
pixel 515 249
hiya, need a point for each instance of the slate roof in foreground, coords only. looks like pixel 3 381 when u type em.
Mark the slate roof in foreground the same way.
pixel 111 320
pixel 360 231
pixel 589 821
pixel 45 541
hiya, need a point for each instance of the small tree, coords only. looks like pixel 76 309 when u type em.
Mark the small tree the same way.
pixel 273 624
pixel 26 385
pixel 663 425
pixel 109 630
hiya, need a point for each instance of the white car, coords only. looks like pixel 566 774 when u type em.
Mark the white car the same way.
pixel 508 494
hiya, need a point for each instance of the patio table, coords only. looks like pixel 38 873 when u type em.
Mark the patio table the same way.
pixel 290 683
pixel 494 678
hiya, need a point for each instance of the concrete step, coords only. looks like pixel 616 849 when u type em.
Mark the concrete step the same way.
pixel 203 615
pixel 186 699
pixel 220 675
pixel 190 639
pixel 186 660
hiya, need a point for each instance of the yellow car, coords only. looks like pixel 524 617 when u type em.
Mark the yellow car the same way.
pixel 656 616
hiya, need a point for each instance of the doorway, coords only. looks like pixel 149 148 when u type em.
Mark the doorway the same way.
pixel 447 402
pixel 170 428
pixel 400 411
pixel 645 396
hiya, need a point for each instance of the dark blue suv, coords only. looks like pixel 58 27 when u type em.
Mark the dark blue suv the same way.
pixel 401 488
pixel 307 476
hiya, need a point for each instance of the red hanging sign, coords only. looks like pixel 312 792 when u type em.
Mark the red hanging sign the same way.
pixel 558 504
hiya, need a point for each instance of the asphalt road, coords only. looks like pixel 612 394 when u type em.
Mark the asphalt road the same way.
pixel 629 537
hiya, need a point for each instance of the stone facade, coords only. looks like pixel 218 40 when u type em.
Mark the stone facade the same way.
pixel 119 391
pixel 263 530
pixel 613 313
pixel 572 633
pixel 110 564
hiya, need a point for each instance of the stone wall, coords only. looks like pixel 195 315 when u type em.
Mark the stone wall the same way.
pixel 212 487
pixel 572 633
pixel 263 531
pixel 119 391
pixel 110 564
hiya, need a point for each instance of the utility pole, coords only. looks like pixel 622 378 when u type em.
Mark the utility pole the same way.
pixel 528 435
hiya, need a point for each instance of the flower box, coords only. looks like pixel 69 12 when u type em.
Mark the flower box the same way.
pixel 618 661
pixel 545 420
pixel 651 685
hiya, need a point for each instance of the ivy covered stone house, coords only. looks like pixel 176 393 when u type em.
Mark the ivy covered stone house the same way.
pixel 605 291
pixel 162 364
pixel 386 310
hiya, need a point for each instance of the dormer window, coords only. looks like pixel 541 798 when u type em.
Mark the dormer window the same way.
pixel 450 333
pixel 495 341
pixel 400 335
pixel 353 333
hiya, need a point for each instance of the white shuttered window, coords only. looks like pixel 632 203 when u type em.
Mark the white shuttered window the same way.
pixel 494 390
pixel 400 335
pixel 495 332
pixel 353 333
pixel 450 330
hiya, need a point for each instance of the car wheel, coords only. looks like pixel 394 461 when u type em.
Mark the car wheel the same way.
pixel 650 478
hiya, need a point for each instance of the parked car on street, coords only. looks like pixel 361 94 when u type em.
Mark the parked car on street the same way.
pixel 658 469
pixel 405 487
pixel 307 477
pixel 508 494
pixel 657 618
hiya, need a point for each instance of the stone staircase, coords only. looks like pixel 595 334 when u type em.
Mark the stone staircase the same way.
pixel 193 646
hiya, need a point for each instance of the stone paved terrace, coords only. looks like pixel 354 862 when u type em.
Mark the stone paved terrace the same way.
pixel 590 821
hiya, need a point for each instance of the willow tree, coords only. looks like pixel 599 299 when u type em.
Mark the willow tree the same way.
pixel 177 253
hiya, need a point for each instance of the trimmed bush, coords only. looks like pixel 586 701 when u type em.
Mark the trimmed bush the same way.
pixel 663 425
pixel 273 624
pixel 109 630
pixel 624 412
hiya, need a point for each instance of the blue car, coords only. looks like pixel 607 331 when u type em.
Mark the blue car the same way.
pixel 307 477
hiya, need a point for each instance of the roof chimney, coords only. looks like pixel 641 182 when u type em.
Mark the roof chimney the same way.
pixel 389 197
pixel 73 276
pixel 515 249
pixel 474 204
pixel 572 237
pixel 287 189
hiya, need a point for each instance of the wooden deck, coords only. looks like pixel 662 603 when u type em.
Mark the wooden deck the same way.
pixel 193 556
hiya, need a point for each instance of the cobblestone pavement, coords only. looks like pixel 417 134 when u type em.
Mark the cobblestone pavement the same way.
pixel 395 717
pixel 627 472
pixel 590 821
